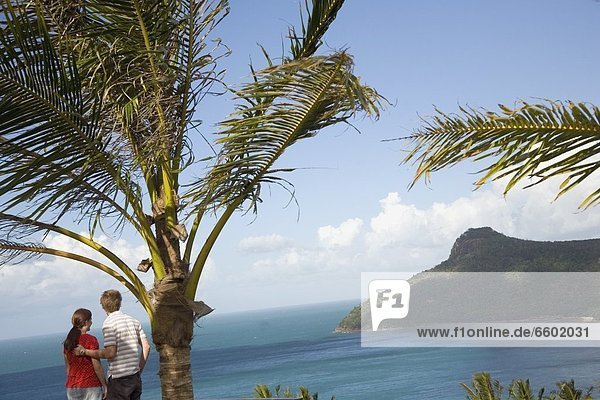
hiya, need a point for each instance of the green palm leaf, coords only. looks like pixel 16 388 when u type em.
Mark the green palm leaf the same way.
pixel 305 96
pixel 320 16
pixel 309 95
pixel 18 252
pixel 568 391
pixel 153 60
pixel 521 390
pixel 96 97
pixel 283 104
pixel 53 155
pixel 58 155
pixel 154 66
pixel 483 388
pixel 537 141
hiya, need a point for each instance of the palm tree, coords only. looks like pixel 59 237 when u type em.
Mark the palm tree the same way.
pixel 521 390
pixel 568 391
pixel 483 388
pixel 531 142
pixel 264 392
pixel 97 103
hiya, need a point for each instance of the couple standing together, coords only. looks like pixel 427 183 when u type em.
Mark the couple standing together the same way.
pixel 123 335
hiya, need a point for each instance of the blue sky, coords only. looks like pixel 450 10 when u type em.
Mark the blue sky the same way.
pixel 356 213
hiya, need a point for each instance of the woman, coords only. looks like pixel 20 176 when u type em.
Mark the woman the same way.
pixel 85 375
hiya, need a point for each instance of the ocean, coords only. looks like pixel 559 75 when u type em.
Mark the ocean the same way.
pixel 296 346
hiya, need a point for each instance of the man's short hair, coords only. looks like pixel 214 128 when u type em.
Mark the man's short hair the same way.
pixel 111 300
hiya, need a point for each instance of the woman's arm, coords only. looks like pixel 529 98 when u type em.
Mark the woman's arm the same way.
pixel 99 372
pixel 66 363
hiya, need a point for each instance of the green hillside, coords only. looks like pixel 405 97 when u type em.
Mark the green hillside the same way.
pixel 485 250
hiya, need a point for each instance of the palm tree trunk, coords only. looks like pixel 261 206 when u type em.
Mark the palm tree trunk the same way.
pixel 173 325
pixel 172 331
pixel 175 373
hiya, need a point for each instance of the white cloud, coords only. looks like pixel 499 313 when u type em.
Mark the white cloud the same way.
pixel 405 225
pixel 263 244
pixel 405 236
pixel 537 215
pixel 341 236
pixel 49 276
pixel 410 236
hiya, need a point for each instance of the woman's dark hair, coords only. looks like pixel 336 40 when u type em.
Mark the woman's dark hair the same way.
pixel 80 317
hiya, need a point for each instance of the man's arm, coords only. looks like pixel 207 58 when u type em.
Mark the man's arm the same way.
pixel 145 352
pixel 109 352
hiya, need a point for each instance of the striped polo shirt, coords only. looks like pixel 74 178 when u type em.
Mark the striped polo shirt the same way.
pixel 125 332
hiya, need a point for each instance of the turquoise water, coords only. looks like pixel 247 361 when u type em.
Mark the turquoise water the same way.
pixel 296 346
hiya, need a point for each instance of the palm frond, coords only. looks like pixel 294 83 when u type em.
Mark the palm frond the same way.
pixel 262 392
pixel 320 16
pixel 12 229
pixel 53 155
pixel 259 98
pixel 311 94
pixel 19 228
pixel 283 104
pixel 15 252
pixel 483 388
pixel 150 64
pixel 521 390
pixel 304 96
pixel 122 51
pixel 568 391
pixel 531 141
pixel 155 65
pixel 197 66
pixel 12 252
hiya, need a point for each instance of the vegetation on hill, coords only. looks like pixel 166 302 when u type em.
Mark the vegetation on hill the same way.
pixel 351 322
pixel 485 250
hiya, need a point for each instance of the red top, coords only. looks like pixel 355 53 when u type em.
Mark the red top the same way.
pixel 81 371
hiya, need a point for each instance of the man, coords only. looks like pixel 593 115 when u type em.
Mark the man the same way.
pixel 122 337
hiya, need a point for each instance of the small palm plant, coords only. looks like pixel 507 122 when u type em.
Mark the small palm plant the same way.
pixel 568 391
pixel 521 390
pixel 484 388
pixel 263 392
